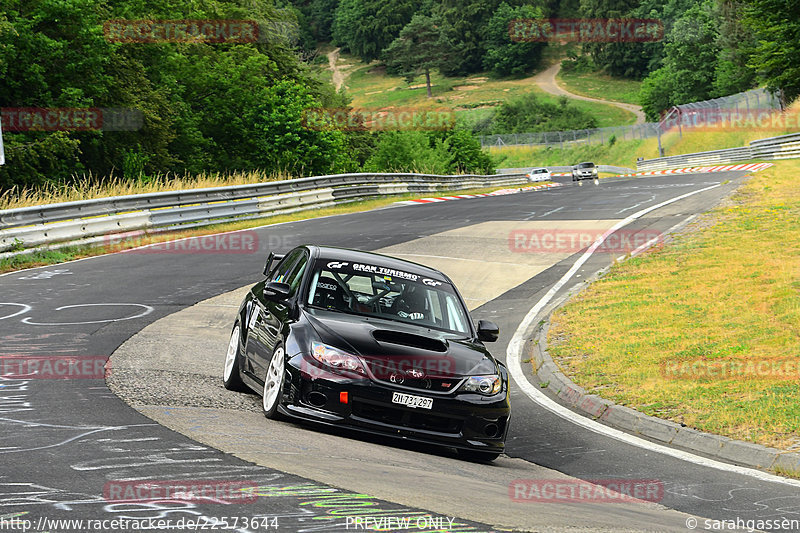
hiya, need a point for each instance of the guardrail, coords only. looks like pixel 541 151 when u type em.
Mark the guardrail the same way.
pixel 699 159
pixel 563 168
pixel 781 147
pixel 30 227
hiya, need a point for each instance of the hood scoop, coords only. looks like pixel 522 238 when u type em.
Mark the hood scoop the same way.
pixel 409 339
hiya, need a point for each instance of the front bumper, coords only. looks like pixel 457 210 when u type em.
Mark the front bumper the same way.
pixel 468 421
pixel 584 175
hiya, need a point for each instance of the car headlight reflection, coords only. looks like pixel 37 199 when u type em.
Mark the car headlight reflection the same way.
pixel 337 359
pixel 486 385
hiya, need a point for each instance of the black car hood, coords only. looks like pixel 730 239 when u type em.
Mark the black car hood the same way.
pixel 379 341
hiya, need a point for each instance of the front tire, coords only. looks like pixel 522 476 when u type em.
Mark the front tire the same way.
pixel 273 383
pixel 231 374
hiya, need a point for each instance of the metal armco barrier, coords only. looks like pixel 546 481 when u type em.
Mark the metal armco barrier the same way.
pixel 563 168
pixel 781 147
pixel 30 227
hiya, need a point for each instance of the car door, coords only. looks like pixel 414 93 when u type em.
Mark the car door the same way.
pixel 269 316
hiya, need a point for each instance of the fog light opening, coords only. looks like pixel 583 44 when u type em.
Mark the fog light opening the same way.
pixel 491 430
pixel 317 399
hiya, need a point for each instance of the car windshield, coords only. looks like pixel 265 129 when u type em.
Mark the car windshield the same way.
pixel 372 290
pixel 539 171
pixel 586 165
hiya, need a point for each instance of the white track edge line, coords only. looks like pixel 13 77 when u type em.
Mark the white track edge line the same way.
pixel 513 359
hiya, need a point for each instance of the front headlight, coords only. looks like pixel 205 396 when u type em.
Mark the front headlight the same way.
pixel 337 359
pixel 486 385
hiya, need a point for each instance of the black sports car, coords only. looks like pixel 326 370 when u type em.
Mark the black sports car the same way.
pixel 378 344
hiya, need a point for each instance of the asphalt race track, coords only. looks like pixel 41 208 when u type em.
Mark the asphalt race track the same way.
pixel 65 444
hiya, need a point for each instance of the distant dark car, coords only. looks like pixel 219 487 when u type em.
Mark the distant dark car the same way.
pixel 373 343
pixel 584 171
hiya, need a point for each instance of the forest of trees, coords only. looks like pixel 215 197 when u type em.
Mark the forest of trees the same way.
pixel 210 107
pixel 711 48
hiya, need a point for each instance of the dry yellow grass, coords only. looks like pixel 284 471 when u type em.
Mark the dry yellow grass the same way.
pixel 87 188
pixel 724 292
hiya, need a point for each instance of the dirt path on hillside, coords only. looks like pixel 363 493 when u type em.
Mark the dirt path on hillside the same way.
pixel 338 75
pixel 546 80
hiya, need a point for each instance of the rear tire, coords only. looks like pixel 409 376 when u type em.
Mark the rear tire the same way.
pixel 273 384
pixel 477 456
pixel 231 374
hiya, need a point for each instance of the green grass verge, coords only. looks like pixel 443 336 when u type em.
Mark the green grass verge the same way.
pixel 625 152
pixel 602 86
pixel 724 291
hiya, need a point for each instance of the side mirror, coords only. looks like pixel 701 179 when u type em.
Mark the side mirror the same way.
pixel 271 258
pixel 275 290
pixel 488 331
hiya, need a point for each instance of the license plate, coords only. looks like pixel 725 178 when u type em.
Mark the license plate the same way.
pixel 412 401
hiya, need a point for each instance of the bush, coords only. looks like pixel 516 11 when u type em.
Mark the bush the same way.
pixel 528 114
pixel 578 64
pixel 409 151
pixel 455 152
pixel 466 155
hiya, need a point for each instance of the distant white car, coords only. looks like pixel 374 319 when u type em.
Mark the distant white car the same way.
pixel 539 174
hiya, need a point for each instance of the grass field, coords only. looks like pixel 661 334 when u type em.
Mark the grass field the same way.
pixel 603 86
pixel 624 153
pixel 723 293
pixel 370 87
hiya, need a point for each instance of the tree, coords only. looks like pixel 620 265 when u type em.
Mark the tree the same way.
pixel 735 42
pixel 503 56
pixel 462 26
pixel 655 94
pixel 689 65
pixel 776 58
pixel 366 27
pixel 420 48
pixel 282 140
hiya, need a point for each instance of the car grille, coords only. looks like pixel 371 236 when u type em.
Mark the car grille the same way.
pixel 402 379
pixel 406 418
pixel 426 384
